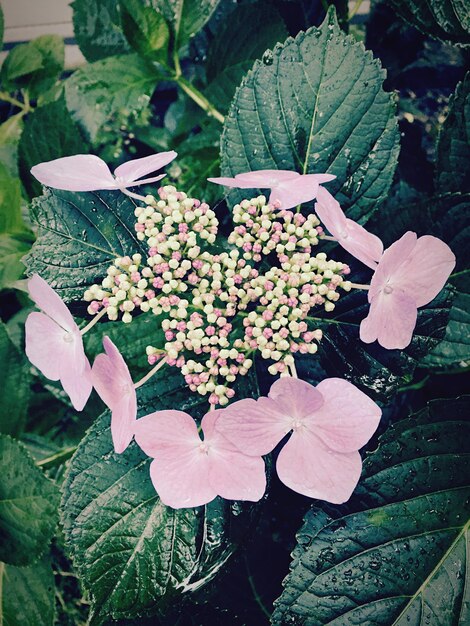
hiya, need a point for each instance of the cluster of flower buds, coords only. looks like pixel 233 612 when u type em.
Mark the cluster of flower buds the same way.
pixel 219 309
pixel 262 228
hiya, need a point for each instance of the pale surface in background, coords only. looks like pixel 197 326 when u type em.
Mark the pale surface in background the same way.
pixel 27 19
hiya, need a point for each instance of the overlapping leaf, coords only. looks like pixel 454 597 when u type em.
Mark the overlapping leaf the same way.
pixel 97 28
pixel 245 35
pixel 27 594
pixel 114 86
pixel 316 104
pixel 186 17
pixel 453 149
pixel 49 133
pixel 28 506
pixel 79 234
pixel 448 20
pixel 133 553
pixel 14 385
pixel 401 559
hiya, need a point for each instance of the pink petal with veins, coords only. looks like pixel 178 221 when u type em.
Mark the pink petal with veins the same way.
pixel 132 170
pixel 353 237
pixel 233 475
pixel 306 465
pixel 425 270
pixel 82 172
pixel 113 383
pixel 255 427
pixel 391 320
pixel 54 343
pixel 347 418
pixel 50 302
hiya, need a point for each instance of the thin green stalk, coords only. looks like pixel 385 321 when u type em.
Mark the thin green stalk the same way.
pixel 199 98
pixel 58 458
pixel 355 9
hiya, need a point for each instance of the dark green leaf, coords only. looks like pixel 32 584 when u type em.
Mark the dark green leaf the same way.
pixel 103 89
pixel 34 66
pixel 402 558
pixel 453 148
pixel 448 20
pixel 241 39
pixel 98 30
pixel 12 250
pixel 10 133
pixel 49 133
pixel 28 506
pixel 27 594
pixel 14 385
pixel 133 553
pixel 79 234
pixel 10 202
pixel 454 349
pixel 146 30
pixel 316 104
pixel 186 17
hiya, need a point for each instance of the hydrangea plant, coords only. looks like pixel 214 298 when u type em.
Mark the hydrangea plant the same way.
pixel 226 316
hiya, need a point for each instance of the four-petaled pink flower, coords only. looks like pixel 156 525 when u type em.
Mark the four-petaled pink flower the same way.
pixel 87 172
pixel 113 382
pixel 410 274
pixel 287 188
pixel 329 423
pixel 54 343
pixel 354 238
pixel 187 471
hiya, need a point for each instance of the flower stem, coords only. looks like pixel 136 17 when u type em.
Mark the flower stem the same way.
pixel 198 97
pixel 358 286
pixel 131 194
pixel 25 107
pixel 57 458
pixel 149 374
pixel 355 9
pixel 293 370
pixel 327 238
pixel 95 319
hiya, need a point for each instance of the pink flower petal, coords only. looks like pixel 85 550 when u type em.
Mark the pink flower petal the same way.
pixel 291 192
pixel 180 471
pixel 59 355
pixel 353 237
pixel 182 482
pixel 347 419
pixel 44 344
pixel 132 170
pixel 391 320
pixel 50 302
pixel 232 474
pixel 113 383
pixel 75 372
pixel 306 465
pixel 145 181
pixel 82 172
pixel 295 398
pixel 166 429
pixel 262 179
pixel 425 270
pixel 391 260
pixel 255 427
